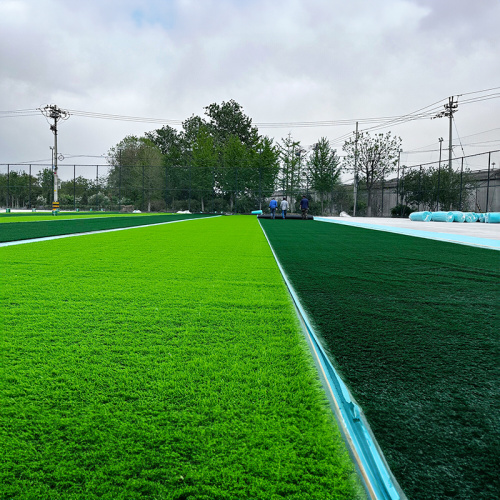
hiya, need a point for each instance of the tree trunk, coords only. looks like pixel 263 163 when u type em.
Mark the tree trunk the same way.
pixel 369 203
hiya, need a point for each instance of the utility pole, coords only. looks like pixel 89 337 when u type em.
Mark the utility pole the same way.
pixel 449 109
pixel 52 112
pixel 355 171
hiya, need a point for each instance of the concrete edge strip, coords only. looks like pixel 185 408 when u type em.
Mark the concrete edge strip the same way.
pixel 460 239
pixel 59 236
pixel 379 480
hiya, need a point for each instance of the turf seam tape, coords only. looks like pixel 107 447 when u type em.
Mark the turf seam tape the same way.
pixel 379 480
pixel 69 235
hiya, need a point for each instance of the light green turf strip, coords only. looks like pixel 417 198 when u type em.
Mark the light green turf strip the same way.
pixel 160 363
pixel 50 217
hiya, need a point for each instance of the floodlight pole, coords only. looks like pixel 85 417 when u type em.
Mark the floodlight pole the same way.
pixel 53 112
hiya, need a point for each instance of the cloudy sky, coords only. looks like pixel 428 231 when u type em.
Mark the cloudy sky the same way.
pixel 284 61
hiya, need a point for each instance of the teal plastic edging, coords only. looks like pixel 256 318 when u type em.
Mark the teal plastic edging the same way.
pixel 370 460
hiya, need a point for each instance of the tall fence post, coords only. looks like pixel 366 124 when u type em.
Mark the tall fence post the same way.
pixel 143 188
pixel 97 186
pixel 120 185
pixel 461 184
pixel 166 188
pixel 8 186
pixel 419 187
pixel 74 188
pixel 29 192
pixel 488 183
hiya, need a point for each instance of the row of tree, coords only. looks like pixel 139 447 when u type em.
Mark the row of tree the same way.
pixel 220 162
pixel 223 157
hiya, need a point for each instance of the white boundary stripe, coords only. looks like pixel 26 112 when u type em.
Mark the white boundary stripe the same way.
pixel 49 238
pixel 379 480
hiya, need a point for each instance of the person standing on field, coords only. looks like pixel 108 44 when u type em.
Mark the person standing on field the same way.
pixel 284 208
pixel 304 206
pixel 273 205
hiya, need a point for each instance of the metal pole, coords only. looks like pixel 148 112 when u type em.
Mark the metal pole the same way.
pixel 419 187
pixel 450 139
pixel 56 194
pixel 166 188
pixel 189 201
pixel 383 185
pixel 236 194
pixel 143 193
pixel 97 185
pixel 397 178
pixel 8 185
pixel 355 171
pixel 439 171
pixel 488 182
pixel 29 195
pixel 401 191
pixel 74 188
pixel 461 175
pixel 260 178
pixel 120 180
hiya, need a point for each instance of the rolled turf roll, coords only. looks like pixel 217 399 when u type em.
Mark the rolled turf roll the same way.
pixel 480 217
pixel 470 217
pixel 458 216
pixel 442 216
pixel 421 216
pixel 492 217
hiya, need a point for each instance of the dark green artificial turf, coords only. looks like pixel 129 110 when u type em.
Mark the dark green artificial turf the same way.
pixel 413 325
pixel 164 362
pixel 15 231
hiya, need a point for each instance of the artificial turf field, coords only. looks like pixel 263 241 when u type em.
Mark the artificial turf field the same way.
pixel 164 362
pixel 15 227
pixel 413 327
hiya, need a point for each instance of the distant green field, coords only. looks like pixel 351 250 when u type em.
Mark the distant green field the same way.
pixel 20 217
pixel 413 326
pixel 58 225
pixel 162 363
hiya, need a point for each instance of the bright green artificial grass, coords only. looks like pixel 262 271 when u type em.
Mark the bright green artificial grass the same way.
pixel 16 231
pixel 413 326
pixel 32 217
pixel 164 362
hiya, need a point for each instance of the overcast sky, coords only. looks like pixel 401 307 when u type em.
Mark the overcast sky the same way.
pixel 282 60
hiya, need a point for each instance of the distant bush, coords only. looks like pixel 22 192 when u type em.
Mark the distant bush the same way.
pixel 402 211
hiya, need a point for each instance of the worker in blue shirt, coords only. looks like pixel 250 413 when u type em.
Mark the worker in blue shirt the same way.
pixel 304 206
pixel 273 205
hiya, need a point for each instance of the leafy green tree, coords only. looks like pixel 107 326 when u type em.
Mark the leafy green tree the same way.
pixel 204 164
pixel 227 120
pixel 45 181
pixel 18 189
pixel 323 170
pixel 437 188
pixel 292 173
pixel 371 159
pixel 266 165
pixel 137 170
pixel 172 145
pixel 234 160
pixel 76 192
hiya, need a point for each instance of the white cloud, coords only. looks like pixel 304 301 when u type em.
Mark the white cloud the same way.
pixel 282 60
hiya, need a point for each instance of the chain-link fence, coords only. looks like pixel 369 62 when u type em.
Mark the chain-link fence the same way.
pixel 472 183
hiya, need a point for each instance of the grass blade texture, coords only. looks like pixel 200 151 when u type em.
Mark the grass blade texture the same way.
pixel 413 326
pixel 163 363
